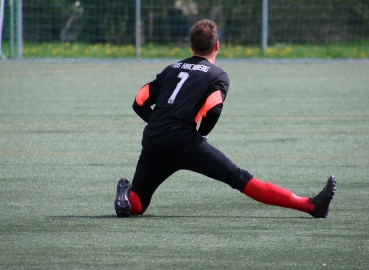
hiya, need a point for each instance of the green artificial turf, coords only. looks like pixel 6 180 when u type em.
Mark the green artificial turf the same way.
pixel 68 133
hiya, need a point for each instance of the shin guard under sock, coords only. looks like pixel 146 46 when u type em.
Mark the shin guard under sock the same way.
pixel 136 206
pixel 269 193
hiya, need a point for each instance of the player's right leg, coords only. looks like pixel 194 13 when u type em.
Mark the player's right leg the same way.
pixel 211 162
pixel 323 199
pixel 268 193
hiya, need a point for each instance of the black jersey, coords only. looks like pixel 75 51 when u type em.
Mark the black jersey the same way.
pixel 183 93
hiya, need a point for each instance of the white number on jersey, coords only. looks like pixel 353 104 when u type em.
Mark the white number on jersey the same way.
pixel 183 76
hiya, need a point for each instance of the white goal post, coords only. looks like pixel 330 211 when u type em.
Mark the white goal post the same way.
pixel 2 9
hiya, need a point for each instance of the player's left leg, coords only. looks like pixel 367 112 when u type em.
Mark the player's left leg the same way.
pixel 151 170
pixel 126 201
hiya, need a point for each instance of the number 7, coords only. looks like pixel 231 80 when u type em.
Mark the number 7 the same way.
pixel 183 76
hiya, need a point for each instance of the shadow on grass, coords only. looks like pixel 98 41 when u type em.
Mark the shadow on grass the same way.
pixel 177 216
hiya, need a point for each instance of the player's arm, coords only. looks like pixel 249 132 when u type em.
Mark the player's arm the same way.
pixel 144 99
pixel 212 108
pixel 211 117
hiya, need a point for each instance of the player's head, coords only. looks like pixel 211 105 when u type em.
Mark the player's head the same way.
pixel 204 37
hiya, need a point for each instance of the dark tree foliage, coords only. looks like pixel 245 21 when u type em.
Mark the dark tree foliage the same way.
pixel 169 21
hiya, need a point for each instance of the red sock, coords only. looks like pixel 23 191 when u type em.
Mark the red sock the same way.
pixel 136 206
pixel 269 193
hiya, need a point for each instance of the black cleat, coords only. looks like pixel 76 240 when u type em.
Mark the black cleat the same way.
pixel 121 203
pixel 323 199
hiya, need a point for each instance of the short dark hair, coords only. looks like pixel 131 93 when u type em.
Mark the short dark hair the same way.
pixel 203 37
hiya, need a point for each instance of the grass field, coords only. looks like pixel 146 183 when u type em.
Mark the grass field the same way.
pixel 357 50
pixel 68 133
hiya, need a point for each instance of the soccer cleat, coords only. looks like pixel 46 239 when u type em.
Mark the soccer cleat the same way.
pixel 121 203
pixel 323 199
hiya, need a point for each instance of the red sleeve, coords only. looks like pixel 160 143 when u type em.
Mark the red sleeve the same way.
pixel 208 122
pixel 213 100
pixel 142 103
pixel 143 94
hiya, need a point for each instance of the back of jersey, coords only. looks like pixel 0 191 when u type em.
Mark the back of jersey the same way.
pixel 181 90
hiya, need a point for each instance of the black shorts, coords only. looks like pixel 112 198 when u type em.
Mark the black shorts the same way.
pixel 154 167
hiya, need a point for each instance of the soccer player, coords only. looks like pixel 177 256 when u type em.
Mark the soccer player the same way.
pixel 190 94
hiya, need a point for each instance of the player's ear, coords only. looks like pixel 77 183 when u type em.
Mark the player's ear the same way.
pixel 191 47
pixel 216 48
